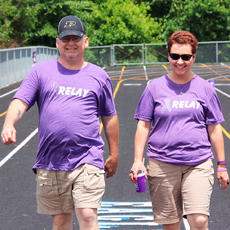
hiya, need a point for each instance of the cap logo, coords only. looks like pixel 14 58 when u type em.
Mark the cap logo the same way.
pixel 69 24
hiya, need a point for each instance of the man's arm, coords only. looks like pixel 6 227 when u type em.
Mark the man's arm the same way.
pixel 15 112
pixel 111 128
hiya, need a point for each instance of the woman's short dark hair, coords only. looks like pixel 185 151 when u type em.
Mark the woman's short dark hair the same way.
pixel 183 37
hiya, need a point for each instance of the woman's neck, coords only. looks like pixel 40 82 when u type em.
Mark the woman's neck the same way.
pixel 181 79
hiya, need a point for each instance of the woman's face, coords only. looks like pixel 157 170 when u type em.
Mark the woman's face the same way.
pixel 181 65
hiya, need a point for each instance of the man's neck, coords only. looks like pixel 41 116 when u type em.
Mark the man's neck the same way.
pixel 72 65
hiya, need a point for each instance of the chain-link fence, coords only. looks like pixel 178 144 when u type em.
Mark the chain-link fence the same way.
pixel 16 63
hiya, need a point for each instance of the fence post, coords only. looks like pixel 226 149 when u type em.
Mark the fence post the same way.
pixel 15 77
pixel 112 54
pixel 7 66
pixel 143 54
pixel 217 60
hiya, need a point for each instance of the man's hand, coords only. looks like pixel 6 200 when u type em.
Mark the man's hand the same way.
pixel 111 166
pixel 8 135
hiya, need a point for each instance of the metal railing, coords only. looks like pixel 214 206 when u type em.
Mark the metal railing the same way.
pixel 16 63
pixel 155 53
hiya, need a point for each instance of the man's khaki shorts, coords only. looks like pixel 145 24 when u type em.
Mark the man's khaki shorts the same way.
pixel 61 192
pixel 178 191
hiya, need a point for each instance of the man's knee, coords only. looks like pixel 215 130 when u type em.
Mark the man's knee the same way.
pixel 198 221
pixel 175 226
pixel 62 219
pixel 87 214
pixel 87 218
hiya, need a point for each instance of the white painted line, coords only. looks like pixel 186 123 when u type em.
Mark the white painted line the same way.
pixel 146 76
pixel 221 84
pixel 134 204
pixel 3 95
pixel 130 84
pixel 18 148
pixel 225 94
pixel 116 214
pixel 128 223
pixel 186 224
pixel 125 217
pixel 124 210
pixel 148 82
pixel 218 77
pixel 225 65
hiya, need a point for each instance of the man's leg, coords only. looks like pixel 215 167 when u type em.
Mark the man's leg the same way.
pixel 87 218
pixel 175 226
pixel 198 221
pixel 63 221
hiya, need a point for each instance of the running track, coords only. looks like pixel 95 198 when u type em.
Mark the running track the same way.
pixel 122 207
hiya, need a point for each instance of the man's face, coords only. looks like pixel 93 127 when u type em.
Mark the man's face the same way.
pixel 72 46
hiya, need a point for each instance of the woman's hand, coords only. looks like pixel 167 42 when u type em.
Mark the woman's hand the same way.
pixel 137 166
pixel 223 176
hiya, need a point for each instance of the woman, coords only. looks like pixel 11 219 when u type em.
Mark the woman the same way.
pixel 185 113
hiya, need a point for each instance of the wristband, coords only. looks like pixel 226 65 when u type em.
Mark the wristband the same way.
pixel 221 170
pixel 221 163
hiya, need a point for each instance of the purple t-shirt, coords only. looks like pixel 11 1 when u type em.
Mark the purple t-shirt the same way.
pixel 179 134
pixel 70 103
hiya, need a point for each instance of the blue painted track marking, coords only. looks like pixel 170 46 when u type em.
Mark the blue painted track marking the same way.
pixel 113 215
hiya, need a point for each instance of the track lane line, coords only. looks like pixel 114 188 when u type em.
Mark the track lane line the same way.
pixel 6 94
pixel 5 159
pixel 2 114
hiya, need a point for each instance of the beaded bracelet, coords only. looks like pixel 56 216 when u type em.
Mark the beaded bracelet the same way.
pixel 221 170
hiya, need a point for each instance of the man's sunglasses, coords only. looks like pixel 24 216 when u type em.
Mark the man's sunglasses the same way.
pixel 184 57
pixel 67 39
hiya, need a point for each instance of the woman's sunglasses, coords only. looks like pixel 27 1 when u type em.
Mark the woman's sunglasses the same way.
pixel 184 57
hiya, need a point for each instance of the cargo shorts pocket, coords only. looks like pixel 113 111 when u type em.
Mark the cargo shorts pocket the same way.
pixel 46 187
pixel 93 177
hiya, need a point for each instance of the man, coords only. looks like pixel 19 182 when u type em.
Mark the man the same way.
pixel 71 94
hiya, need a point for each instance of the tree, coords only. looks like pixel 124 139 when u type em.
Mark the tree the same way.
pixel 107 22
pixel 158 8
pixel 50 13
pixel 34 22
pixel 17 19
pixel 208 20
pixel 121 22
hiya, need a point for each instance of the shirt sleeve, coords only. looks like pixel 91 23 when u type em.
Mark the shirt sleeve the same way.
pixel 145 107
pixel 214 113
pixel 27 91
pixel 106 100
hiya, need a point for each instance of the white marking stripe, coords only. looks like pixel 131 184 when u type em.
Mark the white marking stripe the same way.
pixel 112 220
pixel 186 224
pixel 124 210
pixel 3 95
pixel 129 84
pixel 134 204
pixel 128 223
pixel 221 84
pixel 18 148
pixel 115 214
pixel 146 76
pixel 120 217
pixel 227 95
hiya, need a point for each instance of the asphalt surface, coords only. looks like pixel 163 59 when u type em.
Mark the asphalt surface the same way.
pixel 122 207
